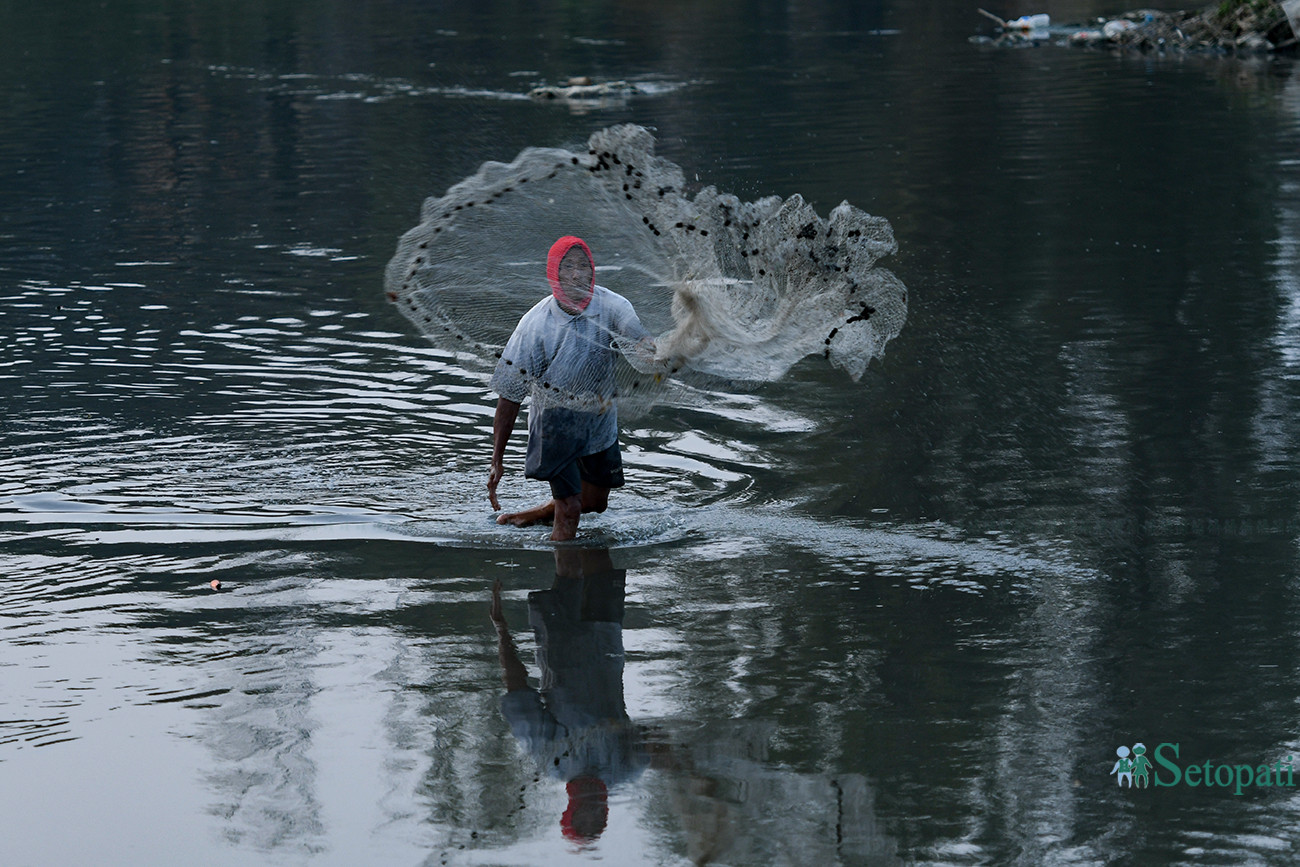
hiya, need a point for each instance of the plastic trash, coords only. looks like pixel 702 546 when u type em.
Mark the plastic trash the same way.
pixel 1115 28
pixel 1292 10
pixel 1040 21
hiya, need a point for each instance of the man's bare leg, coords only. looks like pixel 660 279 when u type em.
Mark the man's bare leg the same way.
pixel 592 499
pixel 568 510
pixel 536 515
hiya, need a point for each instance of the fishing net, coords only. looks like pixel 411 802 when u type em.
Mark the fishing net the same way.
pixel 732 292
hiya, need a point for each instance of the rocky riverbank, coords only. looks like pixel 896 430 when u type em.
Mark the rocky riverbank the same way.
pixel 1233 26
pixel 1252 26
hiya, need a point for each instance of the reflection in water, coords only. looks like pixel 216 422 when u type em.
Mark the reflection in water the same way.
pixel 727 801
pixel 1060 517
pixel 575 725
pixel 1274 418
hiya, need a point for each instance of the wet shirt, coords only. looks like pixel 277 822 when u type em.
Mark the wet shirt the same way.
pixel 565 363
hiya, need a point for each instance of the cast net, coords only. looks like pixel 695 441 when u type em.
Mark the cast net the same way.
pixel 733 292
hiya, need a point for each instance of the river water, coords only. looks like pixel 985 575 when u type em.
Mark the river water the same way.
pixel 905 620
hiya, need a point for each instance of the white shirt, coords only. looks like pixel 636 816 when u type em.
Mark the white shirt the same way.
pixel 565 362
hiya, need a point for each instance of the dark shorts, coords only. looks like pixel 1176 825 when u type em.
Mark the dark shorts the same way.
pixel 603 469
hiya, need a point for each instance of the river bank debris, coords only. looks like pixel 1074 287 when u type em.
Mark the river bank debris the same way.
pixel 1230 27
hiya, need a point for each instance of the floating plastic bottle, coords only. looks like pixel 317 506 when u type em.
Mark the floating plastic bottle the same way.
pixel 1040 21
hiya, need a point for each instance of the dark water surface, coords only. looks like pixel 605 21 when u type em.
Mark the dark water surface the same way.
pixel 908 620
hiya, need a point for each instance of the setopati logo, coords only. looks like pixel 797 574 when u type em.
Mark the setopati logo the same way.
pixel 1135 770
pixel 1132 767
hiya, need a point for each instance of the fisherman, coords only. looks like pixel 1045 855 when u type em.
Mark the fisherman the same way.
pixel 562 355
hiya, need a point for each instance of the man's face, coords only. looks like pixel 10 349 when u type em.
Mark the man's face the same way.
pixel 575 276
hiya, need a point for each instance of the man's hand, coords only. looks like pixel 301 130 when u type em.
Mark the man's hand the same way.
pixel 494 478
pixel 643 356
pixel 495 611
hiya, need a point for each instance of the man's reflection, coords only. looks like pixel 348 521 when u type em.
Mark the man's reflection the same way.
pixel 575 724
pixel 721 785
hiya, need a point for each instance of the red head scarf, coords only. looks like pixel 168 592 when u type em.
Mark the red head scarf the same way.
pixel 558 249
pixel 588 812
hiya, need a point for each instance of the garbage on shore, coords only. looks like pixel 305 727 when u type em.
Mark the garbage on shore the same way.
pixel 1231 27
pixel 1026 27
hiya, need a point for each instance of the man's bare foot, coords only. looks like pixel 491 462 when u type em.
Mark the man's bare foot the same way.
pixel 536 515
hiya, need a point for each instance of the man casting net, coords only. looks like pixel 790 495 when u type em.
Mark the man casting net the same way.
pixel 707 289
